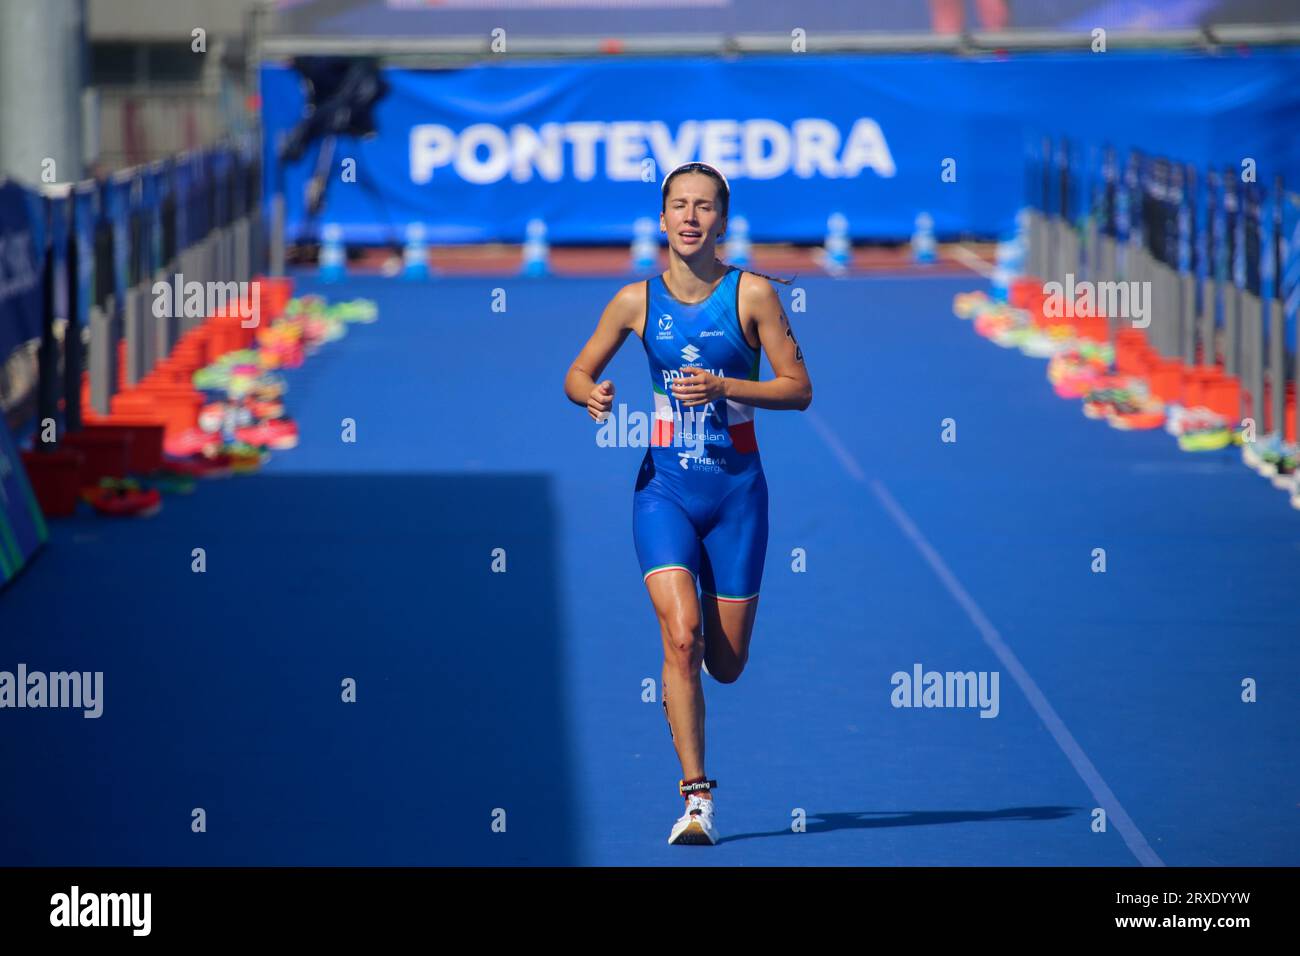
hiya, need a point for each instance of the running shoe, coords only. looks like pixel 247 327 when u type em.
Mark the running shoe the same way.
pixel 245 459
pixel 212 378
pixel 123 498
pixel 192 441
pixel 216 376
pixel 305 304
pixel 1197 418
pixel 695 827
pixel 1075 386
pixel 994 321
pixel 1205 438
pixel 325 329
pixel 1131 415
pixel 280 435
pixel 355 310
pixel 1285 479
pixel 1263 455
pixel 1100 402
pixel 966 304
pixel 1270 457
pixel 242 380
pixel 1040 344
pixel 1014 336
pixel 269 387
pixel 1174 415
pixel 223 416
pixel 1071 365
pixel 262 411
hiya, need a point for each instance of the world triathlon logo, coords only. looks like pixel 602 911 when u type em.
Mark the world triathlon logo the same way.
pixel 665 327
pixel 690 354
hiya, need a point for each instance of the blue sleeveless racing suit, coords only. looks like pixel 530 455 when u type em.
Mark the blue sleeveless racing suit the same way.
pixel 700 502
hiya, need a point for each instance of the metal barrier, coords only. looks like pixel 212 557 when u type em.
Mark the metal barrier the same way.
pixel 1208 252
pixel 195 217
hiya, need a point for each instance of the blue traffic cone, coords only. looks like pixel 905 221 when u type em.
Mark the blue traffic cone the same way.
pixel 333 257
pixel 537 251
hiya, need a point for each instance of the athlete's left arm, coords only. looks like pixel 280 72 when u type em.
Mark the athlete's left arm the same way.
pixel 791 387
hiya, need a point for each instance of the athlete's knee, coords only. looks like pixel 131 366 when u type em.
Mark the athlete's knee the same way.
pixel 683 641
pixel 727 668
pixel 726 676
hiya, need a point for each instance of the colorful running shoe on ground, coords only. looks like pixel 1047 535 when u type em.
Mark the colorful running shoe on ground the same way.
pixel 1113 390
pixel 268 387
pixel 216 376
pixel 281 435
pixel 324 329
pixel 1015 335
pixel 220 417
pixel 1100 402
pixel 1075 386
pixel 1197 418
pixel 994 321
pixel 1289 461
pixel 192 441
pixel 1133 415
pixel 1205 437
pixel 245 459
pixel 1072 376
pixel 123 498
pixel 1263 455
pixel 364 311
pixel 261 411
pixel 966 304
pixel 304 304
pixel 1044 345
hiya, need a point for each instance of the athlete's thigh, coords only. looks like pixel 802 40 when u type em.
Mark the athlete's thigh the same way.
pixel 663 532
pixel 732 556
pixel 733 550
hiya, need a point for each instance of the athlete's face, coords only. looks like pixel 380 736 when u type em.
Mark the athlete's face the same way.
pixel 692 217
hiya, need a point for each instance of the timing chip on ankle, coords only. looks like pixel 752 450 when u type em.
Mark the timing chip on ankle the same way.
pixel 696 786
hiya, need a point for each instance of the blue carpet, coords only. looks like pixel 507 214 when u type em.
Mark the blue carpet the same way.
pixel 519 693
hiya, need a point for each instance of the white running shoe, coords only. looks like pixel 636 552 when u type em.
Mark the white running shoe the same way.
pixel 695 826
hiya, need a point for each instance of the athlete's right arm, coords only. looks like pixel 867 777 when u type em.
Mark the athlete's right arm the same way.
pixel 619 318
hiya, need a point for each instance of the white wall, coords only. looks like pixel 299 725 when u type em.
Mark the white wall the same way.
pixel 164 19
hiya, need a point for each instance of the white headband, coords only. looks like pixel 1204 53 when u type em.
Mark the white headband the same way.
pixel 696 162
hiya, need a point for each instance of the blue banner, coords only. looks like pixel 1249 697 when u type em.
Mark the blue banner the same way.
pixel 475 152
pixel 22 243
pixel 1290 277
pixel 22 306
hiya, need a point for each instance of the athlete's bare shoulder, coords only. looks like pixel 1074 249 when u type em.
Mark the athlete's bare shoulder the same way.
pixel 756 301
pixel 757 293
pixel 628 306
